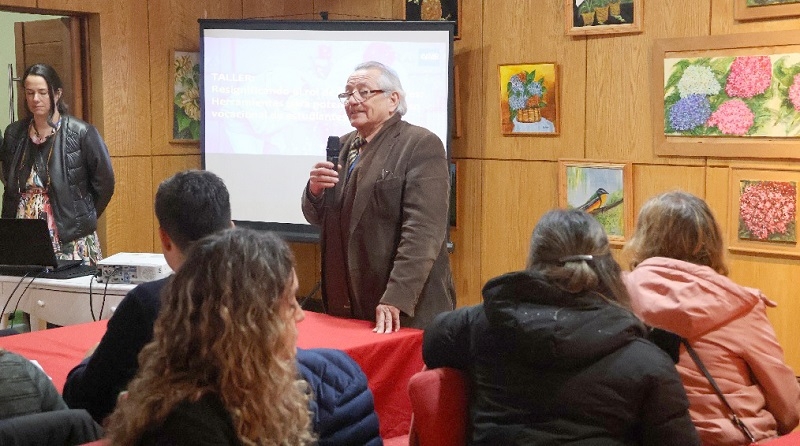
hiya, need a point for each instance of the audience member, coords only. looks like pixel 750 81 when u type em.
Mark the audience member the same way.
pixel 383 211
pixel 188 206
pixel 679 283
pixel 554 354
pixel 25 388
pixel 221 366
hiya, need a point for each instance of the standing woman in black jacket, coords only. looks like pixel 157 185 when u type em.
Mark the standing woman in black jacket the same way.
pixel 57 168
pixel 554 354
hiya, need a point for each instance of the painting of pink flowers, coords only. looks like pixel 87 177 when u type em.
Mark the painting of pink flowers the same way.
pixel 752 95
pixel 767 210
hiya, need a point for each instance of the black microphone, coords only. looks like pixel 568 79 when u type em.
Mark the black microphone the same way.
pixel 333 149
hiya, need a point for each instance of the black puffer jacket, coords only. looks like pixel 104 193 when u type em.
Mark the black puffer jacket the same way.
pixel 81 176
pixel 552 368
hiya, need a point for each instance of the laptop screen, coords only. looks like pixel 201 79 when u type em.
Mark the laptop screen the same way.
pixel 26 242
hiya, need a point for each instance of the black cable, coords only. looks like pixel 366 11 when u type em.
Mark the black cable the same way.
pixel 8 301
pixel 105 293
pixel 39 274
pixel 305 298
pixel 91 304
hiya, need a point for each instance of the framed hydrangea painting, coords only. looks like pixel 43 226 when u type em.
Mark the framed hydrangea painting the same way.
pixel 765 9
pixel 764 217
pixel 529 99
pixel 728 96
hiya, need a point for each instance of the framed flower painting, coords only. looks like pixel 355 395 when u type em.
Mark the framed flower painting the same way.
pixel 449 10
pixel 764 217
pixel 587 17
pixel 732 96
pixel 185 96
pixel 529 99
pixel 765 9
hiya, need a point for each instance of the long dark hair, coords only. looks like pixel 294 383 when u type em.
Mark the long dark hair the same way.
pixel 53 84
pixel 570 248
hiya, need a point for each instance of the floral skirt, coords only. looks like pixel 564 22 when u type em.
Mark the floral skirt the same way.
pixel 35 203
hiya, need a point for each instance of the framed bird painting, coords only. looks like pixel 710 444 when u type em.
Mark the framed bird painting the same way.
pixel 602 189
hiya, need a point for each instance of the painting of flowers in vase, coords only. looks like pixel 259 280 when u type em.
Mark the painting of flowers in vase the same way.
pixel 767 210
pixel 741 96
pixel 529 99
pixel 185 91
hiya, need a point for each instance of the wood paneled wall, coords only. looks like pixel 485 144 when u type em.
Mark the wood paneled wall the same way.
pixel 505 183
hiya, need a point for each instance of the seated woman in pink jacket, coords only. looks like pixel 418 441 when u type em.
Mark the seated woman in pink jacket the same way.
pixel 679 283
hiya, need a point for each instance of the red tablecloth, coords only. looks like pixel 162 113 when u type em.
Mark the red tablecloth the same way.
pixel 387 360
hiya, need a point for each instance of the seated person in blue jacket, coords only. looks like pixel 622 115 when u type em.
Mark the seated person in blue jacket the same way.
pixel 555 355
pixel 220 369
pixel 189 206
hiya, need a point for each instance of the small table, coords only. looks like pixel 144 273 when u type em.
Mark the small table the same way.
pixel 388 360
pixel 60 301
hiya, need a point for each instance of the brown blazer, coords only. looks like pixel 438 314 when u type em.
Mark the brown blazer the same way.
pixel 383 230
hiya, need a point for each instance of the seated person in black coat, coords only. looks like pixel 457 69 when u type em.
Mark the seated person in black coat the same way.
pixel 555 355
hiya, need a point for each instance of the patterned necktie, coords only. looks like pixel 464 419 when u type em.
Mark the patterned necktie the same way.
pixel 352 155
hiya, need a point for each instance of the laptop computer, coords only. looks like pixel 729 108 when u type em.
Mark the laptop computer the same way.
pixel 26 249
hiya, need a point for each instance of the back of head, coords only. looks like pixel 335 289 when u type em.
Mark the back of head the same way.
pixel 225 327
pixel 388 81
pixel 191 205
pixel 681 226
pixel 570 248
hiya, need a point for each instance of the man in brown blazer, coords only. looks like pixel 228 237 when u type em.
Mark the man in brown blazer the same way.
pixel 383 211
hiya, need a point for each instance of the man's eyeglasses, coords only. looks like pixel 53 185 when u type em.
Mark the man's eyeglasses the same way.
pixel 358 95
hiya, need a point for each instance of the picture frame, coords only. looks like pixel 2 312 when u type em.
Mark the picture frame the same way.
pixel 418 10
pixel 764 230
pixel 184 94
pixel 604 189
pixel 741 108
pixel 592 17
pixel 529 99
pixel 745 10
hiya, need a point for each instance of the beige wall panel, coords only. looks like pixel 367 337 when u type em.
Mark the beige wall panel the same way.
pixel 291 10
pixel 717 195
pixel 174 27
pixel 129 217
pixel 307 257
pixel 355 10
pixel 515 195
pixel 465 260
pixel 163 168
pixel 723 21
pixel 471 87
pixel 123 83
pixel 87 6
pixel 776 278
pixel 512 37
pixel 20 4
pixel 650 180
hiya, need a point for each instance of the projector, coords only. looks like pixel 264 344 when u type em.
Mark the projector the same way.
pixel 132 267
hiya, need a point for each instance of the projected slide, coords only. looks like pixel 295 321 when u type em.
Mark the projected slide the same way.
pixel 270 102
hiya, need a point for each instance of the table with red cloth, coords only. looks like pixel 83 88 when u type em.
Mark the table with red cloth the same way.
pixel 388 360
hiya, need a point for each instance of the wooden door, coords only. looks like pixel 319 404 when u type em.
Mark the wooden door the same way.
pixel 56 42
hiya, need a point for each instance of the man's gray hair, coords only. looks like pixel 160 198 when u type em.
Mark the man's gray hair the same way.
pixel 388 81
